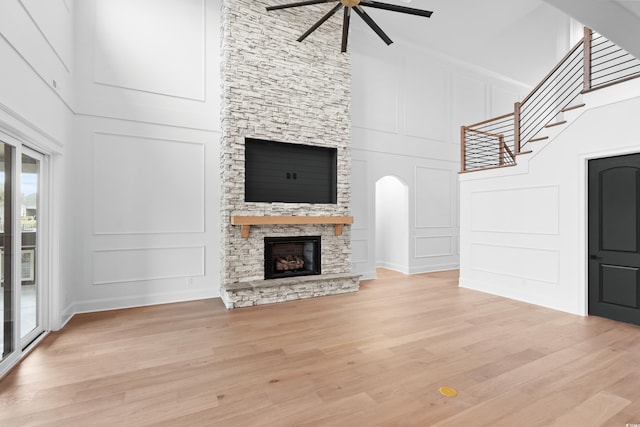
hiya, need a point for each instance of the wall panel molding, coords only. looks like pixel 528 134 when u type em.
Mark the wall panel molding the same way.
pixel 469 99
pixel 433 198
pixel 526 210
pixel 359 251
pixel 426 112
pixel 359 196
pixel 536 264
pixel 433 246
pixel 386 98
pixel 51 7
pixel 177 70
pixel 159 186
pixel 15 126
pixel 144 264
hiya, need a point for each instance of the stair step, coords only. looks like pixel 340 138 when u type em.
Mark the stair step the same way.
pixel 573 107
pixel 550 125
pixel 524 152
pixel 542 138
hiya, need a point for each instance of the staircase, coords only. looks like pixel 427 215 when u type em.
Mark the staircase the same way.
pixel 593 64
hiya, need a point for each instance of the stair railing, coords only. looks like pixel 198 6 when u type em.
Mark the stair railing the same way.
pixel 593 63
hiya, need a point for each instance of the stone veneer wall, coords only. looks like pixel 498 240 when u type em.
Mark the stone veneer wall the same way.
pixel 278 89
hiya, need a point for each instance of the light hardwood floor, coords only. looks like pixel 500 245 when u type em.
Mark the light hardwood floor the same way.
pixel 372 358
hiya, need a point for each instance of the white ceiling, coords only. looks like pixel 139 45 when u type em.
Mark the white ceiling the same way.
pixel 632 6
pixel 520 39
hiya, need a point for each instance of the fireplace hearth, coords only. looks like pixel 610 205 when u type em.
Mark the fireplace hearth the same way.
pixel 291 256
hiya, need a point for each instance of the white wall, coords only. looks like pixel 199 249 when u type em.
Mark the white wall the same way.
pixel 35 94
pixel 407 108
pixel 142 174
pixel 133 123
pixel 35 47
pixel 523 230
pixel 124 94
pixel 392 224
pixel 528 48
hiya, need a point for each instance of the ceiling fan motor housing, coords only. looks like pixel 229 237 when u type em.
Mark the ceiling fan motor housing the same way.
pixel 350 3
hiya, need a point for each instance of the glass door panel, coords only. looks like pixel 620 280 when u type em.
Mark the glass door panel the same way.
pixel 29 280
pixel 7 296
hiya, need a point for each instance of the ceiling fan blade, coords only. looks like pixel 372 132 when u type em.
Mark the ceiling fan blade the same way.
pixel 345 28
pixel 320 22
pixel 366 18
pixel 297 4
pixel 396 8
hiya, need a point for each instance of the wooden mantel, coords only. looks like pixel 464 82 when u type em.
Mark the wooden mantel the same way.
pixel 247 221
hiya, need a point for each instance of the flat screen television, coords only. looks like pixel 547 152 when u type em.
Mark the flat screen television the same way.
pixel 289 173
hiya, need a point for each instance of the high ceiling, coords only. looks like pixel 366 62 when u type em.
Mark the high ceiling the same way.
pixel 618 20
pixel 632 6
pixel 520 39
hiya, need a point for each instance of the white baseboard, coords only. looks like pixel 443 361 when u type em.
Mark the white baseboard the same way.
pixel 490 289
pixel 89 306
pixel 434 268
pixel 368 275
pixel 65 316
pixel 391 266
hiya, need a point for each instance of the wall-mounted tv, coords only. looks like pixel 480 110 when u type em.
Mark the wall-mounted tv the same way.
pixel 290 173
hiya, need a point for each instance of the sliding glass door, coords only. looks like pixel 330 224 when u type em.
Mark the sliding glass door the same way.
pixel 23 296
pixel 31 289
pixel 8 295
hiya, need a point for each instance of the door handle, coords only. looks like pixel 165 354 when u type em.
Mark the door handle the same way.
pixel 595 257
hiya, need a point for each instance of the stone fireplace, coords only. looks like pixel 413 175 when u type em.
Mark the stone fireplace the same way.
pixel 275 88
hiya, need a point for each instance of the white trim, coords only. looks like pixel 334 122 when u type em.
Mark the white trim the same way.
pixel 24 136
pixel 106 304
pixel 65 316
pixel 583 215
pixel 21 130
pixel 501 292
pixel 44 36
pixel 468 66
pixel 43 249
pixel 11 362
pixel 369 275
pixel 16 247
pixel 433 268
pixel 451 245
pixel 391 266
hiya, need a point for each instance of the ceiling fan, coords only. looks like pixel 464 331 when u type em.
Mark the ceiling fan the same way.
pixel 357 6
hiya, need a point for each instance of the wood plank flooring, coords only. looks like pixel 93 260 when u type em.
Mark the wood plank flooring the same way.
pixel 372 358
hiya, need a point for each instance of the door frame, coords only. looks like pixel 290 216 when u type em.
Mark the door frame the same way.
pixel 583 215
pixel 19 132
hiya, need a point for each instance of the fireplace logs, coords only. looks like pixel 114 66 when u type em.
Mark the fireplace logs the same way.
pixel 289 262
pixel 291 256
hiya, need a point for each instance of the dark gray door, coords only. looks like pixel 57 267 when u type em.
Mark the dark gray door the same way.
pixel 614 250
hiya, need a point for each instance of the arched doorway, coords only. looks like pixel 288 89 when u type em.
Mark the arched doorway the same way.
pixel 392 224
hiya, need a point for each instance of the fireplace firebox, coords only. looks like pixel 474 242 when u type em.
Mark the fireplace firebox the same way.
pixel 291 256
